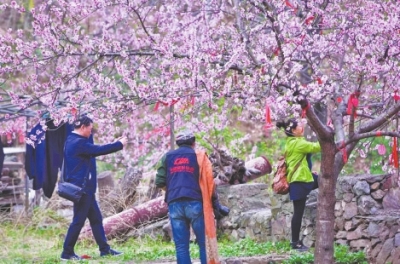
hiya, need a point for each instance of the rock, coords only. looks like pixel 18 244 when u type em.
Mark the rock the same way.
pixel 348 225
pixel 397 240
pixel 341 242
pixel 373 229
pixel 367 205
pixel 378 194
pixel 359 244
pixel 392 199
pixel 339 224
pixel 279 228
pixel 375 186
pixel 338 209
pixel 361 188
pixel 348 197
pixel 350 210
pixel 385 252
pixel 356 234
pixel 341 234
pixel 390 182
pixel 375 251
pixel 395 254
pixel 384 234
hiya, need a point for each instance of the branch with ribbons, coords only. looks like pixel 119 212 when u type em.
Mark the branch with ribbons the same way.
pixel 352 104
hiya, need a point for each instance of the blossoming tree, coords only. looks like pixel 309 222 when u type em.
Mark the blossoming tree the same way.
pixel 148 64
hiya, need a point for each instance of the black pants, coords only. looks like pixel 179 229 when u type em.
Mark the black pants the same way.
pixel 87 207
pixel 298 211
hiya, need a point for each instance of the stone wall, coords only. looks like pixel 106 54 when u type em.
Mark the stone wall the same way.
pixel 367 215
pixel 250 211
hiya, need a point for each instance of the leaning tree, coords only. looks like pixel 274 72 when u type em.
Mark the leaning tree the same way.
pixel 148 64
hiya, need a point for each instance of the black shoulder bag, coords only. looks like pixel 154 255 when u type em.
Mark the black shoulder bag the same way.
pixel 68 190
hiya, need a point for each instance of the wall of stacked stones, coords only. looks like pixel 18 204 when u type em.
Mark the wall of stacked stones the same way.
pixel 367 215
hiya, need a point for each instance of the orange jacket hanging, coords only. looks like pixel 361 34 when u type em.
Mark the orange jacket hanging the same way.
pixel 207 187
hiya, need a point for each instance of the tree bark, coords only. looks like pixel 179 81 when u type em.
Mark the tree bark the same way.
pixel 123 222
pixel 326 205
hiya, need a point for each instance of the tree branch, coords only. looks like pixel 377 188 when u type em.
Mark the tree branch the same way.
pixel 380 120
pixel 358 137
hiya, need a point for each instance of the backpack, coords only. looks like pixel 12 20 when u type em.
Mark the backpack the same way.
pixel 280 184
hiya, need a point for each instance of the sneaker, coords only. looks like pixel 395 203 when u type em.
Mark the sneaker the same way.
pixel 70 257
pixel 299 246
pixel 111 252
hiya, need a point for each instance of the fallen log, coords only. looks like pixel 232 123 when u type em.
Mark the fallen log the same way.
pixel 126 220
pixel 232 170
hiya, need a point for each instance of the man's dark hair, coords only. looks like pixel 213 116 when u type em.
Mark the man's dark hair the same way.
pixel 188 141
pixel 83 120
pixel 185 137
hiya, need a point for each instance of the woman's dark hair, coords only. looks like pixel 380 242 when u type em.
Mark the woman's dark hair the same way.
pixel 83 120
pixel 287 126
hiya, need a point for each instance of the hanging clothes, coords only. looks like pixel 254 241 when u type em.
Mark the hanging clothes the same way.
pixel 43 161
pixel 35 157
pixel 55 139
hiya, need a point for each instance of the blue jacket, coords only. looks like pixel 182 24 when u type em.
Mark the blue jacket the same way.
pixel 179 172
pixel 43 161
pixel 80 160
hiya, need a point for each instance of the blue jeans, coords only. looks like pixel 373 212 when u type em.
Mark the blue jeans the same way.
pixel 183 214
pixel 87 207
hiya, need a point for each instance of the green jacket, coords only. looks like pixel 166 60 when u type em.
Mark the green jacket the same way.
pixel 296 149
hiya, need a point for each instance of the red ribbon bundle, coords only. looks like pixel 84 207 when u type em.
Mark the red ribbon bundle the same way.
pixel 353 103
pixel 396 97
pixel 268 122
pixel 395 157
pixel 304 110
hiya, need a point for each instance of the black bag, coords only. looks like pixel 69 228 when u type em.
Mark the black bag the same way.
pixel 219 210
pixel 70 191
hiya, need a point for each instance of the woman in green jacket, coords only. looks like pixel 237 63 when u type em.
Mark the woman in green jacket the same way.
pixel 301 180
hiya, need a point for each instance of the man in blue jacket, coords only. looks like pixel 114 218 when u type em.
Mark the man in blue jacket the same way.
pixel 80 169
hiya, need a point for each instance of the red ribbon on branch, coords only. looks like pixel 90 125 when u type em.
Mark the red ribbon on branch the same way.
pixel 395 156
pixel 352 104
pixel 396 97
pixel 309 20
pixel 268 122
pixel 287 3
pixel 174 101
pixel 304 110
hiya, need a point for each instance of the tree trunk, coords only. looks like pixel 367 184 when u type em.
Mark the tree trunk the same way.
pixel 130 218
pixel 326 206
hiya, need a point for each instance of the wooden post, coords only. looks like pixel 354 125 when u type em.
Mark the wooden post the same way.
pixel 26 195
pixel 171 126
pixel 26 175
